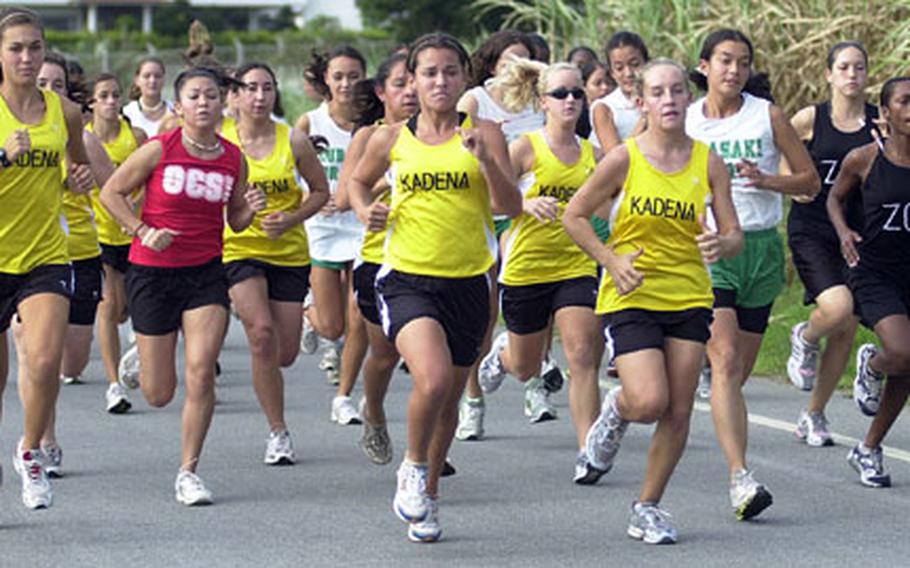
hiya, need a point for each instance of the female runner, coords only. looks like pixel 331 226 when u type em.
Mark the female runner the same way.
pixel 267 264
pixel 450 172
pixel 38 129
pixel 751 135
pixel 656 294
pixel 147 107
pixel 177 280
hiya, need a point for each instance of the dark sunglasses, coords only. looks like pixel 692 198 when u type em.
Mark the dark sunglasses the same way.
pixel 562 92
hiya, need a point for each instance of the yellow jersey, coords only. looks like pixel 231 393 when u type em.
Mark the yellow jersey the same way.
pixel 374 241
pixel 31 191
pixel 109 231
pixel 79 224
pixel 276 176
pixel 440 222
pixel 660 212
pixel 537 252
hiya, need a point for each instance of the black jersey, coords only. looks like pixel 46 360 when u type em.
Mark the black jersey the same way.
pixel 886 207
pixel 828 147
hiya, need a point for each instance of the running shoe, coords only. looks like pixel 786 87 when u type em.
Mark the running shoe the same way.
pixel 551 374
pixel 128 369
pixel 470 419
pixel 410 502
pixel 605 435
pixel 116 400
pixel 491 373
pixel 537 402
pixel 448 470
pixel 651 524
pixel 812 428
pixel 190 490
pixel 77 380
pixel 585 473
pixel 747 496
pixel 704 383
pixel 802 366
pixel 331 362
pixel 868 464
pixel 867 385
pixel 344 412
pixel 427 530
pixel 279 449
pixel 376 444
pixel 309 339
pixel 53 460
pixel 37 492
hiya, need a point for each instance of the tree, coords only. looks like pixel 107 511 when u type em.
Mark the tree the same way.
pixel 408 20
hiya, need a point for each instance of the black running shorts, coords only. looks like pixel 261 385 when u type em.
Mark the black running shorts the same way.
pixel 157 297
pixel 88 279
pixel 878 294
pixel 116 256
pixel 50 278
pixel 285 283
pixel 527 309
pixel 365 291
pixel 460 305
pixel 634 330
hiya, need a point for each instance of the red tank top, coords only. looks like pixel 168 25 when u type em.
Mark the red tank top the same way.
pixel 188 195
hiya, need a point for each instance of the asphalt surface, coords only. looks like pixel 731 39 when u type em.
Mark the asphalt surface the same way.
pixel 512 502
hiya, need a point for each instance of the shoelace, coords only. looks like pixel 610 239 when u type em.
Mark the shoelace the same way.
pixel 34 473
pixel 416 480
pixel 377 441
pixel 819 422
pixel 656 517
pixel 192 480
pixel 872 460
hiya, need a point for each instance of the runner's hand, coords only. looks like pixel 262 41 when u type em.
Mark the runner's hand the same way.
pixel 157 239
pixel 544 209
pixel 622 270
pixel 708 242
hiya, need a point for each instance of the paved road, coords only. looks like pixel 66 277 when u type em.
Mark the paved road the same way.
pixel 511 504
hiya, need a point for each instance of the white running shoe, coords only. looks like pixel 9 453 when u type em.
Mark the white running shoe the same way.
pixel 53 460
pixel 470 419
pixel 747 496
pixel 116 400
pixel 410 502
pixel 812 428
pixel 802 365
pixel 37 492
pixel 76 380
pixel 309 339
pixel 868 464
pixel 128 369
pixel 427 530
pixel 651 524
pixel 605 435
pixel 279 449
pixel 704 383
pixel 491 373
pixel 344 412
pixel 190 490
pixel 867 385
pixel 331 362
pixel 585 473
pixel 537 402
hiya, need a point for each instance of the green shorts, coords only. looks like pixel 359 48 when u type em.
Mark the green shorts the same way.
pixel 601 227
pixel 329 264
pixel 757 274
pixel 501 226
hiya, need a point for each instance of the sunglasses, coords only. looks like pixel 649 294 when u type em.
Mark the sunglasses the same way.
pixel 562 93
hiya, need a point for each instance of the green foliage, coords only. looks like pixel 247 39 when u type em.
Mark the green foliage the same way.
pixel 405 21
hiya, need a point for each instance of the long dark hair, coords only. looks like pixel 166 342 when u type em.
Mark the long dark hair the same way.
pixel 368 108
pixel 319 63
pixel 484 58
pixel 758 84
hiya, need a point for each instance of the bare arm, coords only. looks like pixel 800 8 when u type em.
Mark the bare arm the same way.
pixel 369 169
pixel 850 177
pixel 803 179
pixel 100 163
pixel 245 202
pixel 131 174
pixel 727 240
pixel 521 154
pixel 493 155
pixel 351 157
pixel 605 128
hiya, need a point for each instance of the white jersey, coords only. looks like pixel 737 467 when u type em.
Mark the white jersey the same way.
pixel 513 124
pixel 336 237
pixel 748 134
pixel 137 119
pixel 625 114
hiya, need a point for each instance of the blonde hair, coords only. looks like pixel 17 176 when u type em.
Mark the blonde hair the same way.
pixel 659 62
pixel 523 81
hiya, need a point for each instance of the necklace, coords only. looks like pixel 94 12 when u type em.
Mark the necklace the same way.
pixel 153 109
pixel 216 147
